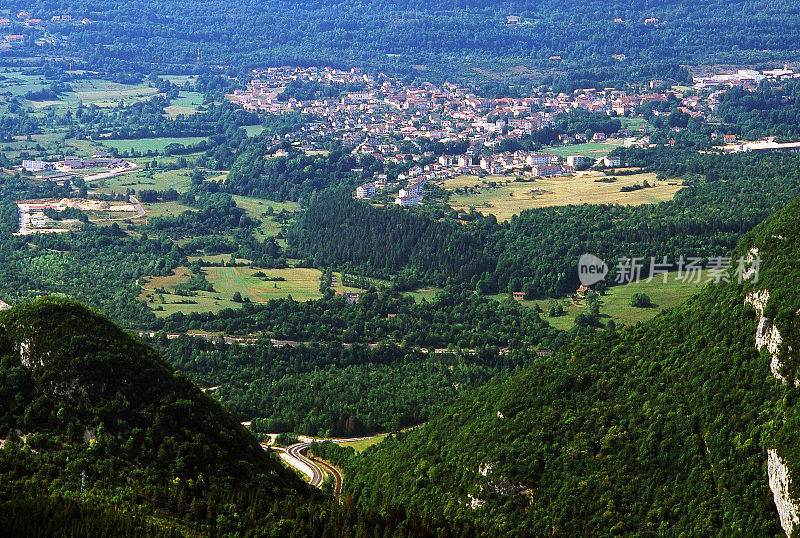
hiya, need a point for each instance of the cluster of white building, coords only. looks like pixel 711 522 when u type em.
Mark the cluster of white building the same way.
pixel 72 162
pixel 747 78
pixel 413 192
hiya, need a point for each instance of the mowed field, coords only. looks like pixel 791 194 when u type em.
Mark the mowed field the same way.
pixel 510 197
pixel 104 93
pixel 144 179
pixel 616 303
pixel 89 91
pixel 589 149
pixel 302 284
pixel 186 103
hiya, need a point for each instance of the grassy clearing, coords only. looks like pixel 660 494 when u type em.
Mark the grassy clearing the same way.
pixel 143 145
pixel 186 103
pixel 180 80
pixel 429 294
pixel 300 283
pixel 166 209
pixel 509 197
pixel 362 444
pixel 253 130
pixel 157 180
pixel 589 149
pixel 616 303
pixel 104 93
pixel 634 124
pixel 258 209
pixel 18 83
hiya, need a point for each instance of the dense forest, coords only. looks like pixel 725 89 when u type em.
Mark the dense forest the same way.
pixel 332 390
pixel 659 428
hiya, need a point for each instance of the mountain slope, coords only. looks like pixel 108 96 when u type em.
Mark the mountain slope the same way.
pixel 80 399
pixel 687 423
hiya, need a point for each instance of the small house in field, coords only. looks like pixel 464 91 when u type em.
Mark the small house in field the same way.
pixel 581 292
pixel 518 295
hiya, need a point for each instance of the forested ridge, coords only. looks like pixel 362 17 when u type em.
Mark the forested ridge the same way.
pixel 659 428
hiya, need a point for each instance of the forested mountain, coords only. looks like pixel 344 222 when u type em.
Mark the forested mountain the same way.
pixel 80 396
pixel 446 36
pixel 680 425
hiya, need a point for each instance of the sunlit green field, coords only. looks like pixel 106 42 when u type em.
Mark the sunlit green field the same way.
pixel 186 103
pixel 589 149
pixel 144 179
pixel 616 303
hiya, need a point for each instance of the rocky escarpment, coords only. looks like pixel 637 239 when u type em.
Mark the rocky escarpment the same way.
pixel 768 336
pixel 779 480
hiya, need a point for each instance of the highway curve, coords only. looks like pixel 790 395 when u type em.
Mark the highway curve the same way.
pixel 295 451
pixel 311 468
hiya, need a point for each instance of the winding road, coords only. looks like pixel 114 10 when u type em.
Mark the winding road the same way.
pixel 315 470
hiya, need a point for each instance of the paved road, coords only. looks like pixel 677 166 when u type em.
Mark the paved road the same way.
pixel 295 451
pixel 337 477
pixel 312 469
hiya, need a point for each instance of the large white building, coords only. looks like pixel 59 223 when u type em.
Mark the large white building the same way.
pixel 576 160
pixel 538 159
pixel 36 166
pixel 404 200
pixel 365 191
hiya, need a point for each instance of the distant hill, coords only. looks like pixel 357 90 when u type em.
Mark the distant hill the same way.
pixel 602 40
pixel 677 425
